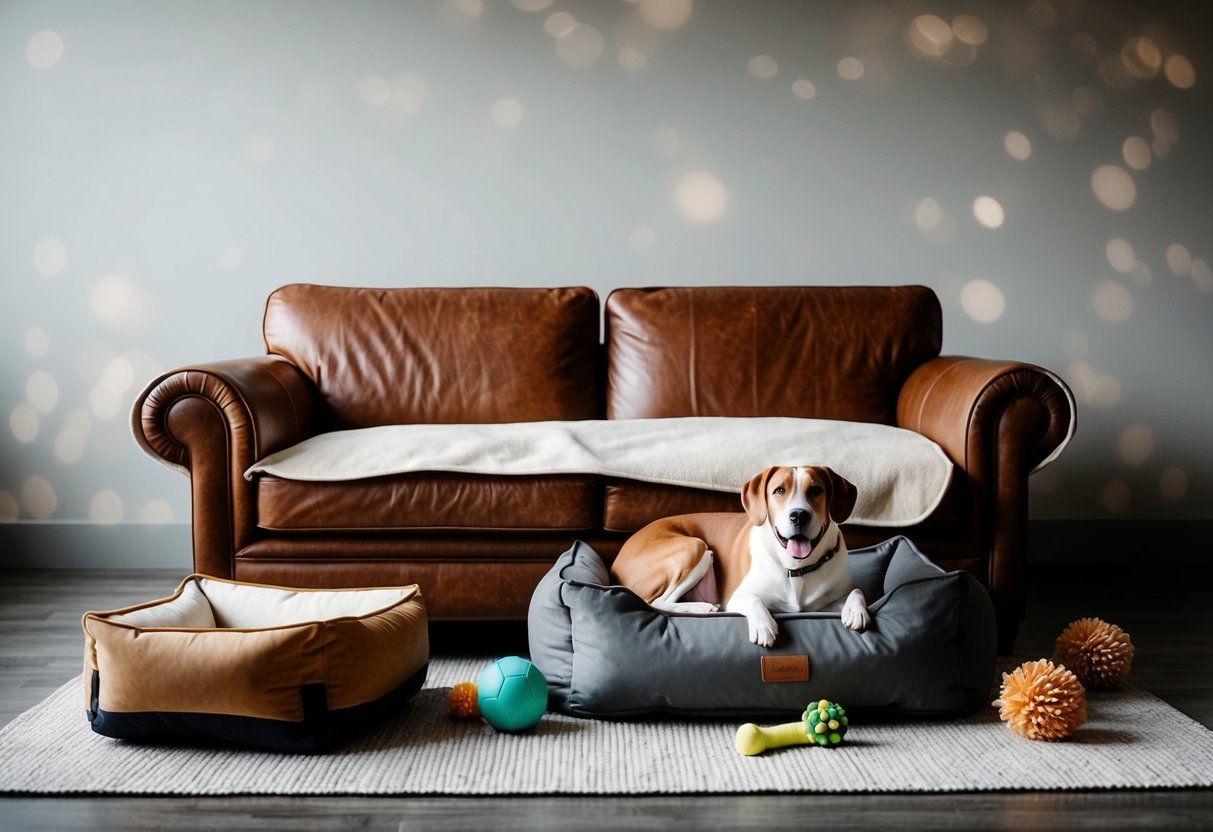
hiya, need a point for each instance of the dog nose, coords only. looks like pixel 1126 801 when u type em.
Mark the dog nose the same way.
pixel 798 517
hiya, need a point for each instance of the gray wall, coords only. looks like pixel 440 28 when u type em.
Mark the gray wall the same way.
pixel 163 166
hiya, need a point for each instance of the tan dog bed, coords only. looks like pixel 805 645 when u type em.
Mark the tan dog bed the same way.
pixel 263 666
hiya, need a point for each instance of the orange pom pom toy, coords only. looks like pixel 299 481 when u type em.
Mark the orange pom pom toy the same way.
pixel 1042 701
pixel 1100 654
pixel 462 702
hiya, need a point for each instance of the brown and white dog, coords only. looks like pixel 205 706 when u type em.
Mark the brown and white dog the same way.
pixel 785 553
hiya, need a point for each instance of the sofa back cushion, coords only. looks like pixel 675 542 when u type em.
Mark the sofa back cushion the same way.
pixel 451 355
pixel 806 351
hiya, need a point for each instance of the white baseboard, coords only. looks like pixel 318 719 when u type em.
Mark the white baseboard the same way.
pixel 44 545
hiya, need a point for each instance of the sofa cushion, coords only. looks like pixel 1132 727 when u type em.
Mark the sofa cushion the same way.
pixel 430 501
pixel 811 351
pixel 391 356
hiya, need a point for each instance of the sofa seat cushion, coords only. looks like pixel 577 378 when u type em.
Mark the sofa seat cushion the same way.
pixel 901 476
pixel 432 500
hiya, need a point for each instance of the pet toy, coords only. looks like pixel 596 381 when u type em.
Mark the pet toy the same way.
pixel 1042 701
pixel 461 702
pixel 824 723
pixel 512 694
pixel 1098 653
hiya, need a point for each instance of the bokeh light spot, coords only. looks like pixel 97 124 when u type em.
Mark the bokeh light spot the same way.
pixel 104 401
pixel 762 66
pixel 1173 484
pixel 42 391
pixel 988 212
pixel 929 36
pixel 468 8
pixel 580 46
pixel 803 89
pixel 50 257
pixel 559 24
pixel 1179 259
pixel 927 214
pixel 968 29
pixel 1164 126
pixel 24 423
pixel 665 14
pixel 44 50
pixel 507 112
pixel 1112 302
pixel 374 91
pixel 1092 387
pixel 632 59
pixel 1017 145
pixel 700 197
pixel 10 509
pixel 850 69
pixel 1202 276
pixel 1120 255
pixel 69 446
pixel 105 508
pixel 156 511
pixel 39 497
pixel 1135 444
pixel 1180 72
pixel 113 297
pixel 1142 57
pixel 1113 187
pixel 982 301
pixel 1041 13
pixel 1136 152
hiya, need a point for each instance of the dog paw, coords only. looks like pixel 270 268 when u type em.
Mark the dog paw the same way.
pixel 855 615
pixel 763 633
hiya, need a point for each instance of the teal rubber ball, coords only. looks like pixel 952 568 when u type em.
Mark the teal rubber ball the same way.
pixel 512 694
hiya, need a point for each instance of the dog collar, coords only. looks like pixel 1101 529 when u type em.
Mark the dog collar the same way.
pixel 813 567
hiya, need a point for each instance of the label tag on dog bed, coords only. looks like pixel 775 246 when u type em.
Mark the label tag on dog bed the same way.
pixel 785 668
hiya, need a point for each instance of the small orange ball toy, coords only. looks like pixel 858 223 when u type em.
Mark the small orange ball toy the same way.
pixel 461 703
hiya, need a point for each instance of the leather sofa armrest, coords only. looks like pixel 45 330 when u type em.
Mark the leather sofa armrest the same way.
pixel 977 409
pixel 212 421
pixel 998 421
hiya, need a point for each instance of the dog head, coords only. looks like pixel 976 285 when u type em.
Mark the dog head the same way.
pixel 799 503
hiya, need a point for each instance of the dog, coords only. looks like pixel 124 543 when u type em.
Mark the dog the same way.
pixel 785 553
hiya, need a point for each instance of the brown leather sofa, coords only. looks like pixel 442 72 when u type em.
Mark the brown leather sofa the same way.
pixel 341 358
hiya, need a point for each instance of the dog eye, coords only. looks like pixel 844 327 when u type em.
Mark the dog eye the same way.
pixel 778 490
pixel 814 490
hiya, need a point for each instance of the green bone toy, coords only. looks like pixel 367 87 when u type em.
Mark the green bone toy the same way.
pixel 824 723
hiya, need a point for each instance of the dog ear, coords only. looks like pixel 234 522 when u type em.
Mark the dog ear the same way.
pixel 842 495
pixel 754 497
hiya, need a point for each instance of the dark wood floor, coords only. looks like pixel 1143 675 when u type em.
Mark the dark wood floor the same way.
pixel 1166 611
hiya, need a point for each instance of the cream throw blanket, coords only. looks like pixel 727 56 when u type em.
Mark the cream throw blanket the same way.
pixel 901 476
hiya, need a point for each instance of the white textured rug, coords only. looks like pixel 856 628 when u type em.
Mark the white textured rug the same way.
pixel 1131 740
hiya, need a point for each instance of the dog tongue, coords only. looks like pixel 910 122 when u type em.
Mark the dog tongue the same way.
pixel 799 547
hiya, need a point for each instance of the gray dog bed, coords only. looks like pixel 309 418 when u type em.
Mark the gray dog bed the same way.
pixel 606 653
